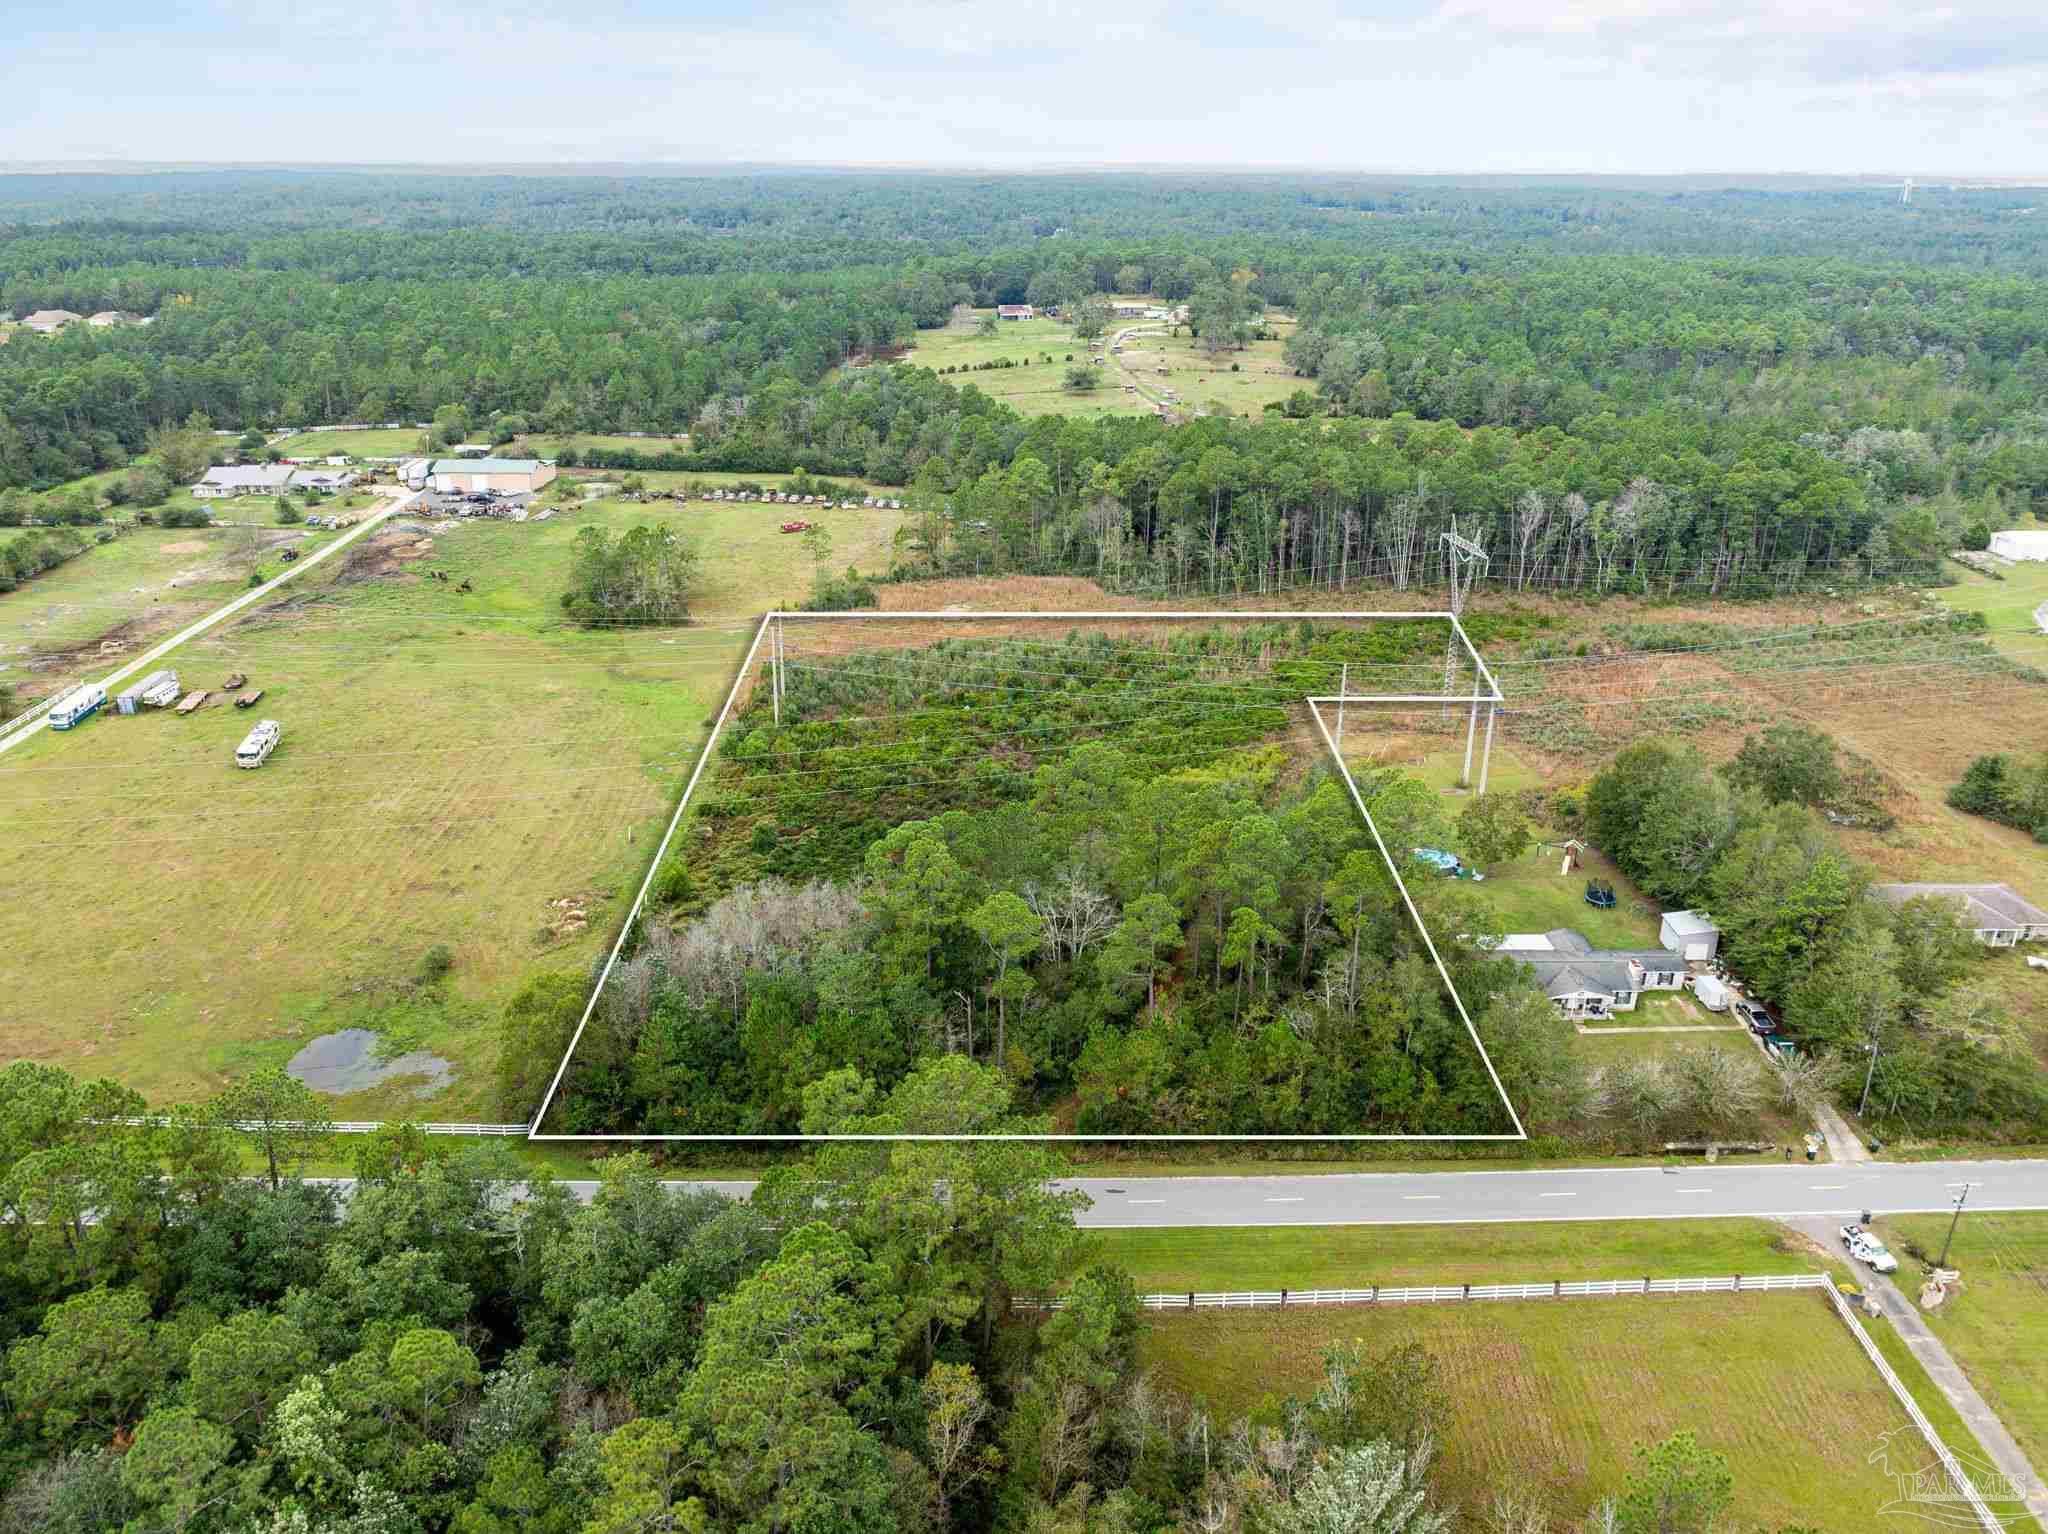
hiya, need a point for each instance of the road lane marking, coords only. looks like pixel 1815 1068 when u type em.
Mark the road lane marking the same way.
pixel 1418 1197
pixel 1144 1200
pixel 1294 1200
pixel 1828 1187
pixel 1557 1195
pixel 1692 1190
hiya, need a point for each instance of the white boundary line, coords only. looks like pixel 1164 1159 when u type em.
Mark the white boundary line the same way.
pixel 776 618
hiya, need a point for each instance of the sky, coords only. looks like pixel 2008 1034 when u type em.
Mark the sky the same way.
pixel 1888 87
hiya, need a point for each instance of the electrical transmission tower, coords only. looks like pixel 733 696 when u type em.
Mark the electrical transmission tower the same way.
pixel 1463 560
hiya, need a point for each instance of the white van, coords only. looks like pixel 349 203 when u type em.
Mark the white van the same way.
pixel 261 741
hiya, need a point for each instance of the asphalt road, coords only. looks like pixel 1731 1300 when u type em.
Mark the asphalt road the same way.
pixel 1449 1198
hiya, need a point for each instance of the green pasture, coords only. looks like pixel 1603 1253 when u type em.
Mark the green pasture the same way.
pixel 1551 1398
pixel 453 767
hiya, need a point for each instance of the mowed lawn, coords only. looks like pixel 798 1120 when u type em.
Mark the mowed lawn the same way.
pixel 377 442
pixel 1171 1261
pixel 1997 1326
pixel 2007 605
pixel 1549 1399
pixel 1032 384
pixel 1206 382
pixel 453 764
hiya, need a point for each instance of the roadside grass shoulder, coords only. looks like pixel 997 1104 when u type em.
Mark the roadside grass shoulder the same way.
pixel 1997 1325
pixel 1550 1398
pixel 1353 1256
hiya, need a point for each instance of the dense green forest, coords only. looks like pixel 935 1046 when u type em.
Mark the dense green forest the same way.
pixel 461 1346
pixel 1721 389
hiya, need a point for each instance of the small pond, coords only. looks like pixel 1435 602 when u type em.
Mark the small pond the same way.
pixel 347 1062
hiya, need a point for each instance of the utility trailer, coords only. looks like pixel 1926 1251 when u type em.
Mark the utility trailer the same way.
pixel 192 700
pixel 257 745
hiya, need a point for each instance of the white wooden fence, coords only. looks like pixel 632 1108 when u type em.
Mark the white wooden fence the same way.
pixel 1958 1478
pixel 1433 1294
pixel 346 1127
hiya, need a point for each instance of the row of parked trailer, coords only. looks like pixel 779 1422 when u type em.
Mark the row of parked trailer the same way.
pixel 160 689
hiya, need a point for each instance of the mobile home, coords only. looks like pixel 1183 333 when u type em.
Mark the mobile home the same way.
pixel 77 705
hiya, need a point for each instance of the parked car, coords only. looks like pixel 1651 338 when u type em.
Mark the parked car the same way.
pixel 1868 1250
pixel 1760 1022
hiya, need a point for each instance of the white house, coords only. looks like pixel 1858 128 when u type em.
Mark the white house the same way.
pixel 244 479
pixel 1586 981
pixel 1996 916
pixel 49 321
pixel 2029 543
pixel 322 479
pixel 1691 934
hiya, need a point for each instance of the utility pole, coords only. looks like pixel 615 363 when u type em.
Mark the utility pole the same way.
pixel 1343 687
pixel 1961 1198
pixel 1864 1102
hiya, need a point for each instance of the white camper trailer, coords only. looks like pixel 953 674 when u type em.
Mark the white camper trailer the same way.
pixel 255 749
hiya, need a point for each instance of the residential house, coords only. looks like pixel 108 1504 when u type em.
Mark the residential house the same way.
pixel 1015 312
pixel 49 321
pixel 244 479
pixel 1586 981
pixel 322 479
pixel 1996 916
pixel 108 317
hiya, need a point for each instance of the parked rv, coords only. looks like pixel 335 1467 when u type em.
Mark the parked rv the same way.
pixel 256 747
pixel 77 705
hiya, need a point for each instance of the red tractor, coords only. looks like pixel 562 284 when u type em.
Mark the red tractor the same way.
pixel 796 527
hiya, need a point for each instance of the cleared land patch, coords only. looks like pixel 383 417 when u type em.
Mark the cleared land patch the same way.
pixel 1551 1397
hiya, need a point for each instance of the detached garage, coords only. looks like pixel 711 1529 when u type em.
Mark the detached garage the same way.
pixel 2018 544
pixel 1690 934
pixel 469 476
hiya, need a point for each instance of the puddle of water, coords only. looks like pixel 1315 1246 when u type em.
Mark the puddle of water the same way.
pixel 347 1062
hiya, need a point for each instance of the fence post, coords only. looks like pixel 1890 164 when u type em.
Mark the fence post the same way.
pixel 1738 1283
pixel 1557 1288
pixel 1467 1294
pixel 1283 1299
pixel 1191 1299
pixel 1375 1295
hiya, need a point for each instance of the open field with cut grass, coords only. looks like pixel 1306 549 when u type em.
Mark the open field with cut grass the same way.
pixel 147 581
pixel 1206 382
pixel 452 765
pixel 1997 1326
pixel 1549 1399
pixel 1352 1256
pixel 551 445
pixel 377 442
pixel 2007 605
pixel 1035 383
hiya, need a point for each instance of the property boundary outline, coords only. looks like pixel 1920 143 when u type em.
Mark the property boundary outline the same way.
pixel 772 624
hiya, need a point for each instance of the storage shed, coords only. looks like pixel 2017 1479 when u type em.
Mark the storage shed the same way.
pixel 468 476
pixel 2028 543
pixel 1691 934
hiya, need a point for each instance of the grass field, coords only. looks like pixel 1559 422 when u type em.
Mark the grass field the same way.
pixel 2007 605
pixel 551 446
pixel 1035 385
pixel 1549 1399
pixel 377 442
pixel 1997 1326
pixel 1351 1256
pixel 1207 383
pixel 452 764
pixel 148 577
